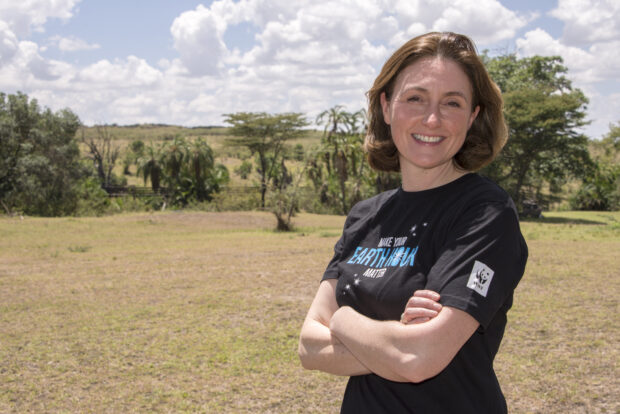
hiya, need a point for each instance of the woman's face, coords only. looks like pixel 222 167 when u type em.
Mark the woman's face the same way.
pixel 429 113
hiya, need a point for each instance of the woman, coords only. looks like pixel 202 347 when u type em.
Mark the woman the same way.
pixel 447 234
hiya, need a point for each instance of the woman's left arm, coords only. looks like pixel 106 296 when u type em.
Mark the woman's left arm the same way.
pixel 404 353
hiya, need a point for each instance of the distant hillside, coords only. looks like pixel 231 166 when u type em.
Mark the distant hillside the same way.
pixel 154 132
pixel 214 135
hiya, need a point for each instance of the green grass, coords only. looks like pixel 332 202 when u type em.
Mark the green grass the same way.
pixel 200 312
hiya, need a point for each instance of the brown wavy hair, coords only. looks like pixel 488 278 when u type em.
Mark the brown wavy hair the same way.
pixel 488 132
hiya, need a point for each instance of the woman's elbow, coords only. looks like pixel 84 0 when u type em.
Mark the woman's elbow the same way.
pixel 305 356
pixel 415 369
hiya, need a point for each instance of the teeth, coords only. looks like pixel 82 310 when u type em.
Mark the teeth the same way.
pixel 426 138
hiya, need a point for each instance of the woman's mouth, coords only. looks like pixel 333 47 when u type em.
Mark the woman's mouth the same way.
pixel 427 138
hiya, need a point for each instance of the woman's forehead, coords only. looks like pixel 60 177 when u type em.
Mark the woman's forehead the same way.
pixel 436 73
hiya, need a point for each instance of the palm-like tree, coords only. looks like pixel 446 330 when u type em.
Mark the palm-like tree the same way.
pixel 335 119
pixel 149 166
pixel 200 164
pixel 173 157
pixel 342 156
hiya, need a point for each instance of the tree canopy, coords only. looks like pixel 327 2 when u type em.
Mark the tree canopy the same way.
pixel 265 136
pixel 39 158
pixel 544 115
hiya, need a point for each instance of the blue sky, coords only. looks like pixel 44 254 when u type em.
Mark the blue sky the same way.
pixel 188 62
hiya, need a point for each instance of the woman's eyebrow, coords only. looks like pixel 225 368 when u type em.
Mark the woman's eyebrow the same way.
pixel 422 89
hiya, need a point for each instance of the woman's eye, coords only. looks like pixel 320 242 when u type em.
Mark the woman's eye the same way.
pixel 414 99
pixel 454 104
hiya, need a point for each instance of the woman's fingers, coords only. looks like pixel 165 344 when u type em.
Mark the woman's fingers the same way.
pixel 417 315
pixel 423 303
pixel 417 320
pixel 421 307
pixel 425 293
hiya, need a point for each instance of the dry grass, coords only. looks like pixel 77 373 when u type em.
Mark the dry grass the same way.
pixel 200 312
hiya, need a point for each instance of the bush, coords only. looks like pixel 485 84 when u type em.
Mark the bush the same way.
pixel 601 190
pixel 230 200
pixel 130 204
pixel 92 199
pixel 244 170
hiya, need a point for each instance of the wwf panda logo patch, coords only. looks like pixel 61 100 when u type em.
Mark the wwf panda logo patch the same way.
pixel 480 278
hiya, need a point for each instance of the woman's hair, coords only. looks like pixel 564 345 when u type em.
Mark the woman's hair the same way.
pixel 488 132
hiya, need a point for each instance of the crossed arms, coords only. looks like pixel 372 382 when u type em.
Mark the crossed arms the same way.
pixel 342 341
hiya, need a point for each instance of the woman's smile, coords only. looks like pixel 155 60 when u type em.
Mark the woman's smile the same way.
pixel 427 138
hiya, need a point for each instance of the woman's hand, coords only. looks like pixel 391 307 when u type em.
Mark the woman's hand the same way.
pixel 421 307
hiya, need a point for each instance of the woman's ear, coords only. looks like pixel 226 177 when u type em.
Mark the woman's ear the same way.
pixel 473 116
pixel 385 107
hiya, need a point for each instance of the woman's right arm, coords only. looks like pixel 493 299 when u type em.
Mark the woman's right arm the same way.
pixel 318 348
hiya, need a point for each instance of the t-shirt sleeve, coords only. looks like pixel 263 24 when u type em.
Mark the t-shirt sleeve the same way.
pixel 331 272
pixel 481 261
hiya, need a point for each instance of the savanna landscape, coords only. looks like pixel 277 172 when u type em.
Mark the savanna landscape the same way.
pixel 158 268
pixel 183 311
pixel 166 221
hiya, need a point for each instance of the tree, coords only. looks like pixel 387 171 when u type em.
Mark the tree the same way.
pixel 265 135
pixel 601 189
pixel 544 114
pixel 135 150
pixel 40 168
pixel 187 169
pixel 149 166
pixel 284 201
pixel 102 153
pixel 198 176
pixel 339 171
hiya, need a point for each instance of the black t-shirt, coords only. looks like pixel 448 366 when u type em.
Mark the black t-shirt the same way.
pixel 461 240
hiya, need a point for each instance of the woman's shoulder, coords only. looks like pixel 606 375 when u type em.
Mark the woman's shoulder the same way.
pixel 373 203
pixel 481 199
pixel 366 210
pixel 480 189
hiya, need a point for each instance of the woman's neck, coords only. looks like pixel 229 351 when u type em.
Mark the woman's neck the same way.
pixel 420 179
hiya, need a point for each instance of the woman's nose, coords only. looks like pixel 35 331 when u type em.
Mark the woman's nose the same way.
pixel 432 118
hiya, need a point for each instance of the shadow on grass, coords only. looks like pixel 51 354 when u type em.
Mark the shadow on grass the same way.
pixel 562 220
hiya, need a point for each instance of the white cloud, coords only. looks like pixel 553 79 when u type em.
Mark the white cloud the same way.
pixel 198 39
pixel 18 19
pixel 28 67
pixel 133 72
pixel 539 42
pixel 72 44
pixel 588 21
pixel 595 64
pixel 8 44
pixel 486 21
pixel 25 15
pixel 320 51
pixel 602 109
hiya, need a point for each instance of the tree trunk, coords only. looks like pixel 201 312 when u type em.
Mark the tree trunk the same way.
pixel 517 188
pixel 283 225
pixel 263 191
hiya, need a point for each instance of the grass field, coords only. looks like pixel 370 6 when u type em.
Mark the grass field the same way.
pixel 200 312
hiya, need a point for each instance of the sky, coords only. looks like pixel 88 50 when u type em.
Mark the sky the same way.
pixel 188 62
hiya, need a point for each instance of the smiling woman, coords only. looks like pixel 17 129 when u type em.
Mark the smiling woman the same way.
pixel 472 88
pixel 429 113
pixel 413 304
